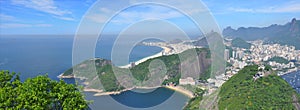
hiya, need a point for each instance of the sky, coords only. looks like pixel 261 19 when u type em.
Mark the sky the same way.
pixel 64 16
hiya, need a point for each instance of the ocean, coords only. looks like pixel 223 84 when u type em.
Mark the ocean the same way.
pixel 34 55
pixel 293 79
pixel 43 54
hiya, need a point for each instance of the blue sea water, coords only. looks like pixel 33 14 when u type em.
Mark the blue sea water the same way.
pixel 34 55
pixel 159 99
pixel 293 79
pixel 37 55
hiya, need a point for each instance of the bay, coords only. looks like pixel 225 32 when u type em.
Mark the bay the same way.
pixel 293 79
pixel 33 55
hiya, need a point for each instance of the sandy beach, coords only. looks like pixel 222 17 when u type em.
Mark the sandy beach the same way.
pixel 143 60
pixel 110 93
pixel 165 50
pixel 174 88
pixel 181 90
pixel 101 93
pixel 61 76
pixel 92 90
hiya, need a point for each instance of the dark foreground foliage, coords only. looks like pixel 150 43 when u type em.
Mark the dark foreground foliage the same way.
pixel 38 93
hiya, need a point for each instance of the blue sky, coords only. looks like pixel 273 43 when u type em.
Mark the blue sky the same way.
pixel 64 16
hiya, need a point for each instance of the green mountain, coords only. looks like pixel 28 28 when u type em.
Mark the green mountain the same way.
pixel 238 42
pixel 288 34
pixel 105 71
pixel 201 42
pixel 269 92
pixel 279 60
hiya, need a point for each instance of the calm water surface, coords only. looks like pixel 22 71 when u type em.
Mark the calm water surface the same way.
pixel 37 55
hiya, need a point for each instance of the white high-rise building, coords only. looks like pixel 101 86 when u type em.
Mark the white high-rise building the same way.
pixel 226 54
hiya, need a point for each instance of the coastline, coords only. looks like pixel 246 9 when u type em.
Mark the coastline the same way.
pixel 178 89
pixel 159 54
pixel 143 59
pixel 62 76
pixel 290 71
pixel 181 90
pixel 99 92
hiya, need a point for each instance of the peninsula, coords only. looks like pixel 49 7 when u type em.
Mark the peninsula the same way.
pixel 104 82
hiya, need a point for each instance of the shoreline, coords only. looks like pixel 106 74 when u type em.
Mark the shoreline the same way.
pixel 99 92
pixel 143 60
pixel 61 76
pixel 108 93
pixel 159 54
pixel 179 89
pixel 289 72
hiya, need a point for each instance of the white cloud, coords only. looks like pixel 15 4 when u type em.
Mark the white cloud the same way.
pixel 21 25
pixel 133 14
pixel 129 17
pixel 285 8
pixel 13 22
pixel 14 25
pixel 188 6
pixel 153 12
pixel 4 17
pixel 105 10
pixel 65 18
pixel 46 6
pixel 100 18
pixel 42 25
pixel 89 2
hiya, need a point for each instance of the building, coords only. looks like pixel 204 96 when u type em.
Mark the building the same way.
pixel 186 81
pixel 132 64
pixel 233 54
pixel 226 54
pixel 239 54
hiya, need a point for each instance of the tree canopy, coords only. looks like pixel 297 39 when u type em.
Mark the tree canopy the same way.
pixel 38 93
pixel 243 92
pixel 238 42
pixel 279 60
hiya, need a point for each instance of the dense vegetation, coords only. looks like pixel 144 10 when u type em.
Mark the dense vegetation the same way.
pixel 140 72
pixel 108 79
pixel 243 92
pixel 38 93
pixel 279 60
pixel 206 75
pixel 238 42
pixel 194 103
pixel 172 63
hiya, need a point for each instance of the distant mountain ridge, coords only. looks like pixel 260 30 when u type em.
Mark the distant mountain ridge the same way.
pixel 288 34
